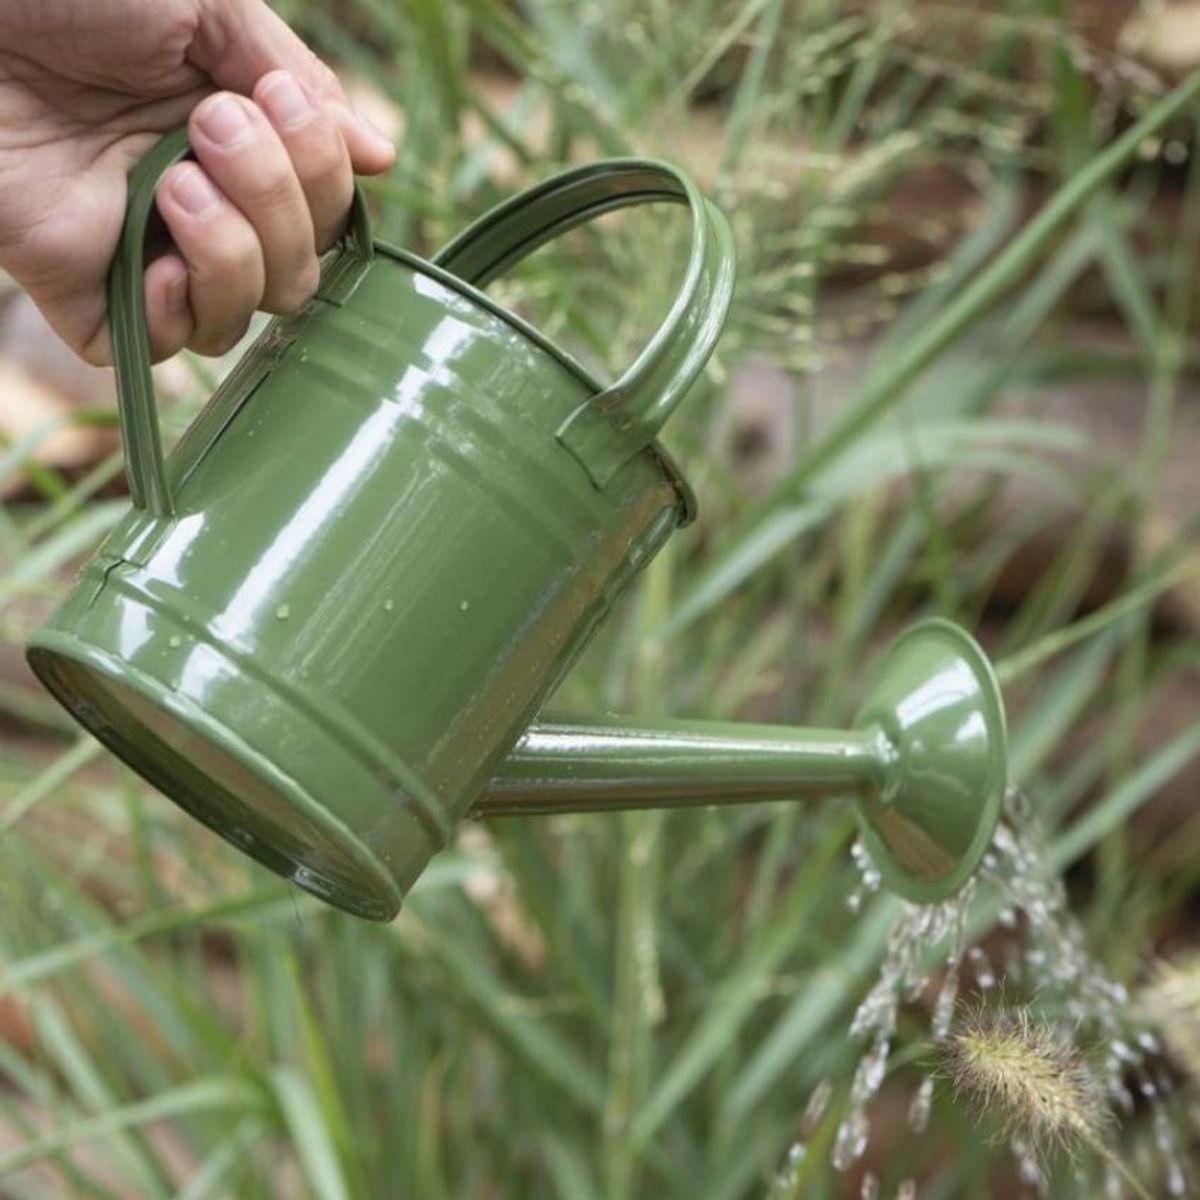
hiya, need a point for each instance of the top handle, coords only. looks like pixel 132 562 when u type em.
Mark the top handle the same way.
pixel 603 433
pixel 611 427
pixel 149 486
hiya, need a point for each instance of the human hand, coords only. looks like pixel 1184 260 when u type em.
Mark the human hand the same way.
pixel 87 86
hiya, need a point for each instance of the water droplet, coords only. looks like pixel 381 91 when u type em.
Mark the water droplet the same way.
pixel 943 1008
pixel 1114 1184
pixel 1061 968
pixel 1176 1182
pixel 984 975
pixel 871 877
pixel 1123 1052
pixel 1150 1043
pixel 814 1110
pixel 870 1186
pixel 921 1106
pixel 464 605
pixel 1168 1147
pixel 282 612
pixel 868 1078
pixel 1047 951
pixel 788 1179
pixel 175 641
pixel 851 1141
pixel 389 604
pixel 1028 1167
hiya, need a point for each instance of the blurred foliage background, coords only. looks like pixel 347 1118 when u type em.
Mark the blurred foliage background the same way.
pixel 960 378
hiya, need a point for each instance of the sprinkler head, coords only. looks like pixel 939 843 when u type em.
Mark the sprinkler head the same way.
pixel 926 764
pixel 938 705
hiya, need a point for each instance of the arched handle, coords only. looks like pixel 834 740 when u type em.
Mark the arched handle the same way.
pixel 149 487
pixel 611 427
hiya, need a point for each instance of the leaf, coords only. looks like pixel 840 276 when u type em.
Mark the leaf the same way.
pixel 75 538
pixel 826 992
pixel 221 1094
pixel 868 466
pixel 84 751
pixel 311 1138
pixel 1125 799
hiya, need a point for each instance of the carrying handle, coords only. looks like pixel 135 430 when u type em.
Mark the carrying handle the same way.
pixel 611 427
pixel 149 487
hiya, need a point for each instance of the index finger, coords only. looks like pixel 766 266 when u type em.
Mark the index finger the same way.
pixel 242 40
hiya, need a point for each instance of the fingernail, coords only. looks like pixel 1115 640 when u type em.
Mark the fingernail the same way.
pixel 224 120
pixel 194 192
pixel 286 103
pixel 374 131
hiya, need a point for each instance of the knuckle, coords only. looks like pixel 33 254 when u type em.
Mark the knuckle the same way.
pixel 234 253
pixel 223 122
pixel 271 187
pixel 258 171
pixel 324 164
pixel 266 82
pixel 189 196
pixel 207 105
pixel 321 76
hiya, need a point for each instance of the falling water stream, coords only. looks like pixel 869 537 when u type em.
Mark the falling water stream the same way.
pixel 1016 888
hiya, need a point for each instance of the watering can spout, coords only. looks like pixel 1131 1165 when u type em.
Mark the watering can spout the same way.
pixel 926 764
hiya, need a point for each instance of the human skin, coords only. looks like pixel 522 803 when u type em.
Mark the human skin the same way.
pixel 87 86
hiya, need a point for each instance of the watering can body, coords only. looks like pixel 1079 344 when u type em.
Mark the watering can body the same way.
pixel 344 596
pixel 332 613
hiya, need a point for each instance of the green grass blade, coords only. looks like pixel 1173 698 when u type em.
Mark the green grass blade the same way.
pixel 993 282
pixel 312 1138
pixel 222 1094
pixel 1126 798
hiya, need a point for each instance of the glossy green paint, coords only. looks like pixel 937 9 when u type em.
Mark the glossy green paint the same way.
pixel 927 765
pixel 349 589
pixel 616 763
pixel 337 606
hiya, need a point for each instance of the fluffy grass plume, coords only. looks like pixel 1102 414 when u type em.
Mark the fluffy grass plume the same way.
pixel 1020 1071
pixel 1171 1000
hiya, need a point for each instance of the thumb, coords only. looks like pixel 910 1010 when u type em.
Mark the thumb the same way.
pixel 237 42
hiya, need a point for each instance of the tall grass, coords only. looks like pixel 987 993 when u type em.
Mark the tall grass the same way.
pixel 640 1006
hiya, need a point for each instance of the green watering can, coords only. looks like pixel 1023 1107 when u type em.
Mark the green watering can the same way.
pixel 333 612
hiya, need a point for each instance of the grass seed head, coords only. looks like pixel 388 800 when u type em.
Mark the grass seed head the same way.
pixel 1171 1000
pixel 1020 1071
